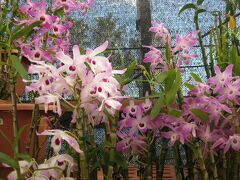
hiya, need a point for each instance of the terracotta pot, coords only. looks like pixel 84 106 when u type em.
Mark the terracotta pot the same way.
pixel 6 125
pixel 20 85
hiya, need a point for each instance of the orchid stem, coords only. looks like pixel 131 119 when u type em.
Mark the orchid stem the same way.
pixel 81 134
pixel 195 172
pixel 178 163
pixel 202 163
pixel 213 163
pixel 15 118
pixel 35 139
pixel 235 166
pixel 35 116
pixel 224 161
pixel 161 161
pixel 93 172
pixel 211 55
pixel 112 138
pixel 148 167
pixel 190 164
pixel 204 56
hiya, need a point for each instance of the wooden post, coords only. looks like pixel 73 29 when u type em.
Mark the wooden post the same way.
pixel 143 25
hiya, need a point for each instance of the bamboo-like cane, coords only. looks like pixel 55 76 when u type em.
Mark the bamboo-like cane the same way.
pixel 161 161
pixel 195 172
pixel 93 173
pixel 83 161
pixel 112 138
pixel 213 164
pixel 35 116
pixel 178 163
pixel 15 126
pixel 204 55
pixel 190 165
pixel 202 163
pixel 224 165
pixel 148 168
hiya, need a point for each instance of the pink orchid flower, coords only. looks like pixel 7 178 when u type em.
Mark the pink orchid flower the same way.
pixel 185 58
pixel 233 142
pixel 135 143
pixel 35 53
pixel 72 66
pixel 50 99
pixel 64 162
pixel 97 63
pixel 54 168
pixel 58 136
pixel 154 56
pixel 222 78
pixel 185 43
pixel 24 167
pixel 140 123
pixel 161 32
pixel 146 106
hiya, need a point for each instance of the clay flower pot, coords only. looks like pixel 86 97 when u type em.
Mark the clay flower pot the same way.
pixel 4 77
pixel 6 126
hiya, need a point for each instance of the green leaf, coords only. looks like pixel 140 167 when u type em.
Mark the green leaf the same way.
pixel 67 106
pixel 25 157
pixel 59 12
pixel 193 148
pixel 126 77
pixel 4 158
pixel 82 50
pixel 168 53
pixel 235 60
pixel 3 44
pixel 201 11
pixel 196 77
pixel 175 112
pixel 202 115
pixel 161 77
pixel 17 28
pixel 16 63
pixel 153 96
pixel 199 2
pixel 189 86
pixel 120 160
pixel 25 31
pixel 88 66
pixel 109 116
pixel 119 78
pixel 157 106
pixel 187 6
pixel 130 70
pixel 171 93
pixel 19 133
pixel 170 79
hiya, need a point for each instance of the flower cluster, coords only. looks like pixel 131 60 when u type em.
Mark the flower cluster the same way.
pixel 132 128
pixel 52 33
pixel 59 166
pixel 181 52
pixel 51 168
pixel 219 98
pixel 210 112
pixel 89 77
